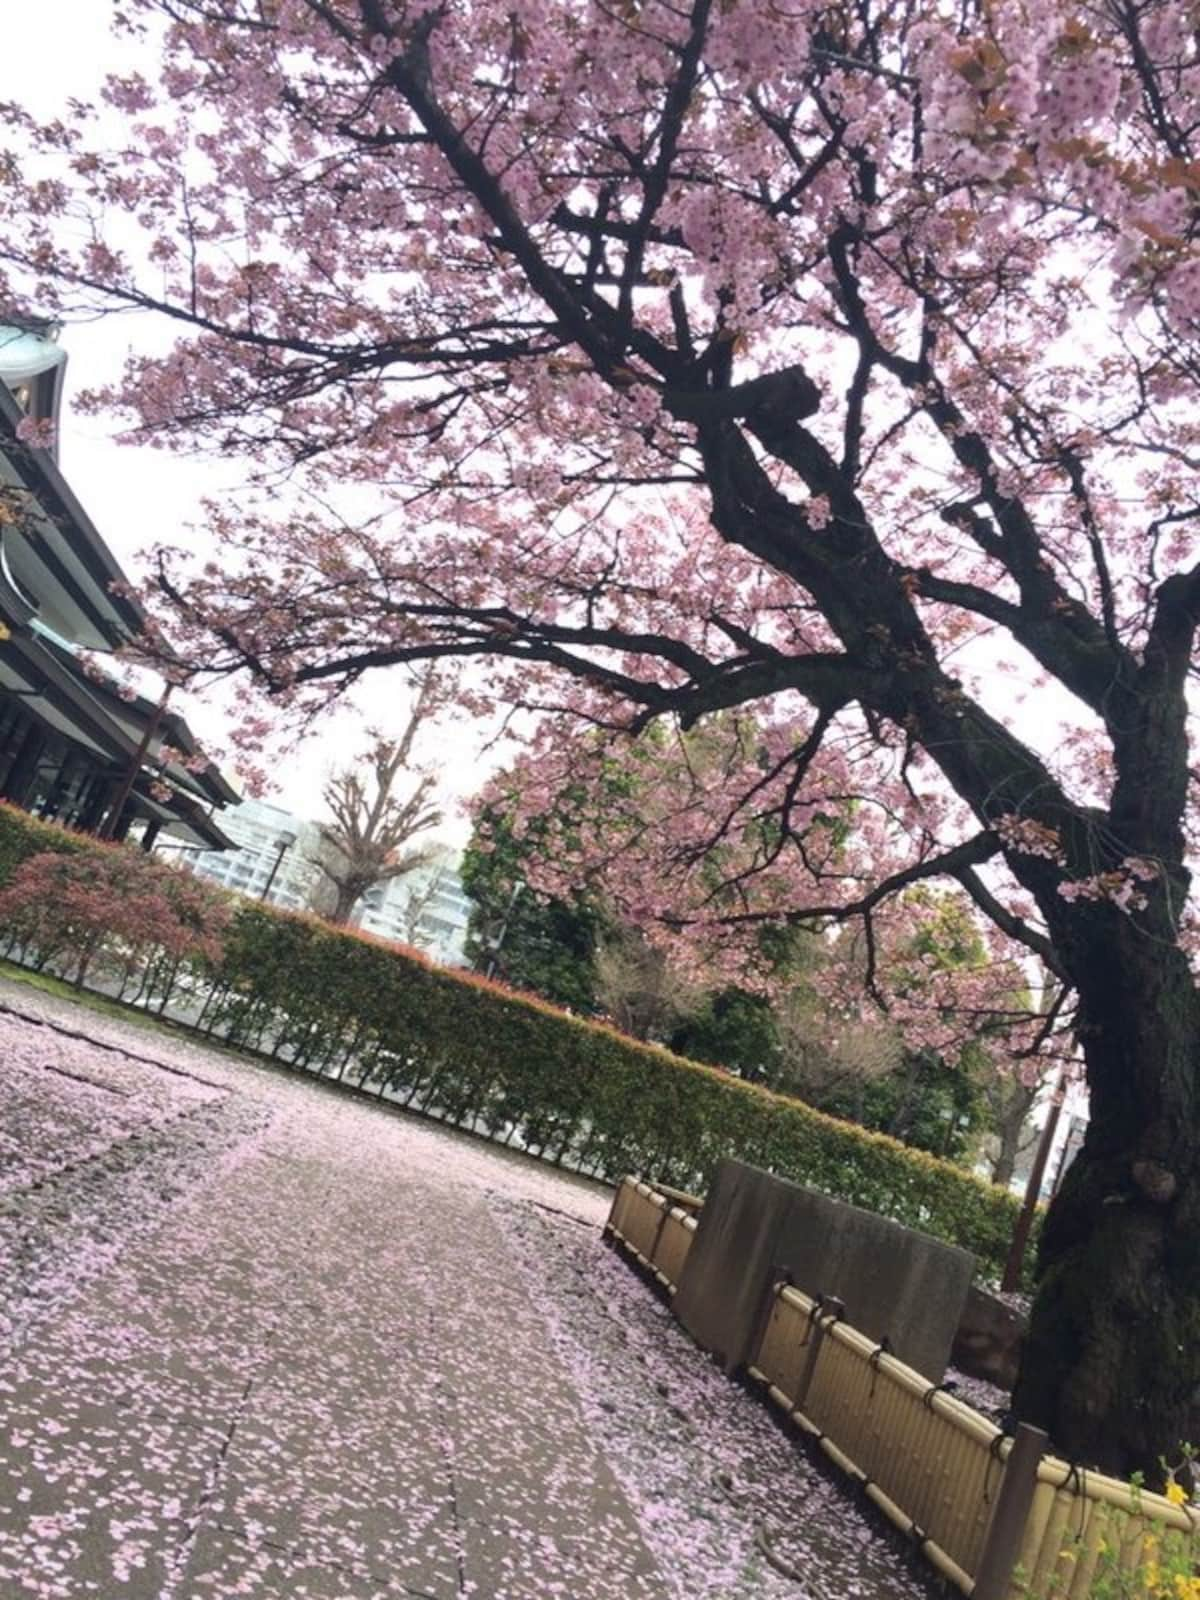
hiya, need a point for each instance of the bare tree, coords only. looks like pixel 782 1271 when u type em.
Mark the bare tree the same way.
pixel 417 901
pixel 1010 1100
pixel 822 1055
pixel 638 987
pixel 368 840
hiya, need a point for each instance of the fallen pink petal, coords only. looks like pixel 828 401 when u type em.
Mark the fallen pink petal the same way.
pixel 262 1337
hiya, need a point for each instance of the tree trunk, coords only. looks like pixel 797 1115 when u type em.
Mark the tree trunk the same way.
pixel 902 1116
pixel 1010 1125
pixel 348 896
pixel 1005 1163
pixel 1111 1367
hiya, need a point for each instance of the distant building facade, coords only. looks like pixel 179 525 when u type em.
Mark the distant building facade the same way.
pixel 73 749
pixel 274 858
pixel 270 856
pixel 427 908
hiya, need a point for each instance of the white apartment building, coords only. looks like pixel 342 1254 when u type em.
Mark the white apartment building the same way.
pixel 427 908
pixel 273 858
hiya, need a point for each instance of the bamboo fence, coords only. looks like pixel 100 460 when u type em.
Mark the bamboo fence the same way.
pixel 655 1228
pixel 997 1517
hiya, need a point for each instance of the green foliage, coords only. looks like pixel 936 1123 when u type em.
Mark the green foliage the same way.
pixel 927 1103
pixel 22 836
pixel 546 946
pixel 734 1029
pixel 514 1068
pixel 946 934
pixel 1148 1550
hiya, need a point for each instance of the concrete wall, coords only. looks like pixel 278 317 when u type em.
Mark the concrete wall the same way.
pixel 891 1279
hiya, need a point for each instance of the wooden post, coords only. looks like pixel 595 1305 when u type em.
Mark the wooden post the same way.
pixel 610 1220
pixel 1006 1531
pixel 830 1306
pixel 108 827
pixel 778 1278
pixel 652 1255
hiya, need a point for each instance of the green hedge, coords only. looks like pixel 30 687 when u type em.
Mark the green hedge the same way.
pixel 22 836
pixel 506 1065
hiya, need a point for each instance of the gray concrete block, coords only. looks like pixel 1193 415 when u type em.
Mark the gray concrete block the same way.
pixel 892 1280
pixel 988 1342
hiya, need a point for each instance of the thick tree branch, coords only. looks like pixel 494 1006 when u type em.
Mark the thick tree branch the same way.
pixel 950 864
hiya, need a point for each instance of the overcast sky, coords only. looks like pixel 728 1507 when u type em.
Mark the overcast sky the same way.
pixel 137 496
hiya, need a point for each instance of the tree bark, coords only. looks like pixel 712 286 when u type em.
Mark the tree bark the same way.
pixel 1111 1367
pixel 348 896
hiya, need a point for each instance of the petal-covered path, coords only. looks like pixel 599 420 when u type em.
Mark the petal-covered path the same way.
pixel 264 1339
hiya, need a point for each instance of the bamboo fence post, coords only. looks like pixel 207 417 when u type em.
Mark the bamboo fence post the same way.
pixel 1007 1527
pixel 827 1306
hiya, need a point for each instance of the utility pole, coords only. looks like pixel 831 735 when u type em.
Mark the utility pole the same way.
pixel 1020 1239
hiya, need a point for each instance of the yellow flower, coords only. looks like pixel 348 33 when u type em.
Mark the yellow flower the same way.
pixel 1176 1493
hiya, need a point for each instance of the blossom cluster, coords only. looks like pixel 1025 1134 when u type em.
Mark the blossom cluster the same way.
pixel 1123 887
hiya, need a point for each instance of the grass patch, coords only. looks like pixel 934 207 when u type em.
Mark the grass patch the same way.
pixel 87 998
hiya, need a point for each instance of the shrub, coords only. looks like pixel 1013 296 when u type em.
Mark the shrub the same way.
pixel 22 836
pixel 514 1068
pixel 571 1090
pixel 75 904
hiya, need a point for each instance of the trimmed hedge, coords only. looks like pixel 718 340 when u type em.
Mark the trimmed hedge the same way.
pixel 509 1066
pixel 22 836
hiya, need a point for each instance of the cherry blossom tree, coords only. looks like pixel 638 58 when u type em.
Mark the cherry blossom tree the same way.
pixel 840 359
pixel 597 859
pixel 686 836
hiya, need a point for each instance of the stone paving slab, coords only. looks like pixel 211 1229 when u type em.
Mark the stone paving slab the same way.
pixel 380 1505
pixel 95 1499
pixel 220 1564
pixel 319 1378
pixel 540 1511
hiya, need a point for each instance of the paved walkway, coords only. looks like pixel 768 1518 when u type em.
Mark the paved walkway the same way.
pixel 316 1376
pixel 262 1339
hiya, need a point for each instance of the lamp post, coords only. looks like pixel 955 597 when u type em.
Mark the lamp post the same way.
pixel 285 842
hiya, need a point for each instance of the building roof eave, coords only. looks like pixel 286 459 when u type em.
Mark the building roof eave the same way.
pixel 43 477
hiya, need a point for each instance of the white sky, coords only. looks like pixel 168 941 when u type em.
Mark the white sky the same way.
pixel 137 496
